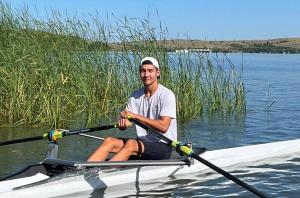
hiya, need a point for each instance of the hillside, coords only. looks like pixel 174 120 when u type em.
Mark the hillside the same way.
pixel 282 45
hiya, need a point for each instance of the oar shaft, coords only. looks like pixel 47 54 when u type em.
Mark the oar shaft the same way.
pixel 228 175
pixel 66 133
pixel 22 140
pixel 88 130
pixel 153 131
pixel 187 151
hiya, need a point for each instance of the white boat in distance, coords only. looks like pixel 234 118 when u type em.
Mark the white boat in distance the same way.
pixel 81 177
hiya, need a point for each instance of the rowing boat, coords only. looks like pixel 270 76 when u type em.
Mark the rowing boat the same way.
pixel 66 177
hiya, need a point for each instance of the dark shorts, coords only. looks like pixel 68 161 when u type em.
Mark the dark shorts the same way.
pixel 152 150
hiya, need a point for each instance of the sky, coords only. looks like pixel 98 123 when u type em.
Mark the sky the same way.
pixel 193 19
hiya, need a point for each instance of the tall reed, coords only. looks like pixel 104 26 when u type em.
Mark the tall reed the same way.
pixel 66 69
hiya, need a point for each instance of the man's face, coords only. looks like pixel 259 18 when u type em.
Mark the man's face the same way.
pixel 149 74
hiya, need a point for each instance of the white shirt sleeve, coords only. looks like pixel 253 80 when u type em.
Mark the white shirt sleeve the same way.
pixel 168 105
pixel 129 106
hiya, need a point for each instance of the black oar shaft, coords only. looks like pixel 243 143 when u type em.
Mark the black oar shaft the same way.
pixel 228 175
pixel 197 157
pixel 153 131
pixel 88 130
pixel 66 133
pixel 22 140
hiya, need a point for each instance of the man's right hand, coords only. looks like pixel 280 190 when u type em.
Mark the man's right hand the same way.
pixel 124 123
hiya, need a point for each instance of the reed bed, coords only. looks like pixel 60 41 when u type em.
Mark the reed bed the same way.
pixel 63 69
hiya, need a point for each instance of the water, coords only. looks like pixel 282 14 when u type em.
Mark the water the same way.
pixel 273 110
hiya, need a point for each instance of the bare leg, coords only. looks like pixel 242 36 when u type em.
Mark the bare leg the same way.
pixel 110 144
pixel 130 148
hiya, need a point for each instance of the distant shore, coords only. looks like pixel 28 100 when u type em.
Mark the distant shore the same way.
pixel 281 45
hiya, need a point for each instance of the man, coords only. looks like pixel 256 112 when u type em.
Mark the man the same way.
pixel 153 105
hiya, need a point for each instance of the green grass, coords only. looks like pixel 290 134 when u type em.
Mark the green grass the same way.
pixel 64 69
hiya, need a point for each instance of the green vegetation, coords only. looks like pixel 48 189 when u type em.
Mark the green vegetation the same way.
pixel 63 70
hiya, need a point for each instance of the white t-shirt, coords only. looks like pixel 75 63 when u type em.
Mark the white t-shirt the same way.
pixel 161 103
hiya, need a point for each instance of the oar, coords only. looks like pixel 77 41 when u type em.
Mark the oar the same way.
pixel 64 133
pixel 189 152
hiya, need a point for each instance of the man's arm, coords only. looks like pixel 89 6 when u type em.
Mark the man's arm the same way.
pixel 161 124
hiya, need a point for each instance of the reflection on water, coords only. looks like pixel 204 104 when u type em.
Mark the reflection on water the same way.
pixel 215 131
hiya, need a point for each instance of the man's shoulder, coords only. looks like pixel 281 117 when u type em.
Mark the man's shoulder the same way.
pixel 165 90
pixel 137 93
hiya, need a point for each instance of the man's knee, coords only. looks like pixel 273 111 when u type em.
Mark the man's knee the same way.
pixel 110 140
pixel 131 145
pixel 111 143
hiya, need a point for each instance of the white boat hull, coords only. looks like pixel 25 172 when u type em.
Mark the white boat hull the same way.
pixel 91 180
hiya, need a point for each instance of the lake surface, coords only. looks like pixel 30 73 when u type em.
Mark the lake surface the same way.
pixel 273 112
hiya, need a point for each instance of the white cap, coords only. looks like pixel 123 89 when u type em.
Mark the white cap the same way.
pixel 152 60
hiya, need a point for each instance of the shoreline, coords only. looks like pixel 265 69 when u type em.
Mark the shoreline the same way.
pixel 280 45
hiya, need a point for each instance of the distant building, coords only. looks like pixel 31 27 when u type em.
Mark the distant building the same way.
pixel 205 50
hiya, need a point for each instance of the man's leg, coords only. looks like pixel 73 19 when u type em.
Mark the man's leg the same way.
pixel 131 148
pixel 109 144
